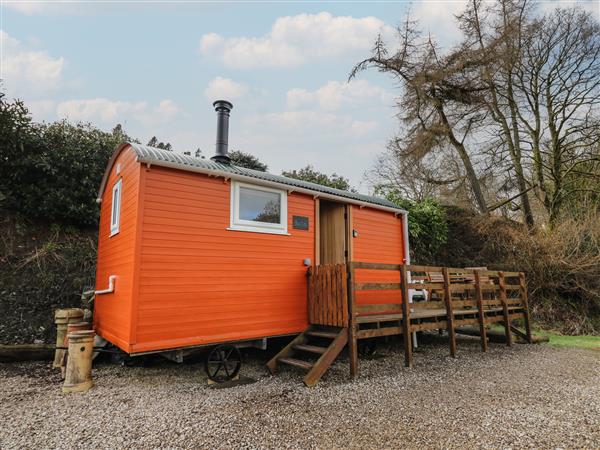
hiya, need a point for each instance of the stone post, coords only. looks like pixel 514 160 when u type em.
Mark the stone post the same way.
pixel 78 376
pixel 71 327
pixel 62 317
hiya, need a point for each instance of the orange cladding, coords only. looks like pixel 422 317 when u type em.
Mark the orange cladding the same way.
pixel 184 279
pixel 197 281
pixel 380 240
pixel 116 254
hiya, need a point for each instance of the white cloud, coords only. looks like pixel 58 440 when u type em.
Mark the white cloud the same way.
pixel 549 6
pixel 220 88
pixel 334 94
pixel 28 71
pixel 438 18
pixel 362 127
pixel 299 123
pixel 321 125
pixel 331 142
pixel 26 7
pixel 30 8
pixel 211 42
pixel 42 109
pixel 294 40
pixel 112 111
pixel 338 127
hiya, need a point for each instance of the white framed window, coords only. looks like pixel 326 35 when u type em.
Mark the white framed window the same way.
pixel 115 212
pixel 257 208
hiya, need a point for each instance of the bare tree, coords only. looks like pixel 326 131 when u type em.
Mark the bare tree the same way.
pixel 542 81
pixel 558 83
pixel 438 103
pixel 417 175
pixel 498 31
pixel 518 102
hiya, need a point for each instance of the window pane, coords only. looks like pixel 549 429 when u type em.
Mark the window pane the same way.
pixel 260 206
pixel 115 207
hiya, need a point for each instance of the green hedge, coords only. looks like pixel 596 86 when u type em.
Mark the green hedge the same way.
pixel 51 172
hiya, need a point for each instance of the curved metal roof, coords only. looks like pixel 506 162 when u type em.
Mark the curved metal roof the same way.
pixel 172 159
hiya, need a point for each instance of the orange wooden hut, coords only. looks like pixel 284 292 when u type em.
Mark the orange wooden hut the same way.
pixel 195 252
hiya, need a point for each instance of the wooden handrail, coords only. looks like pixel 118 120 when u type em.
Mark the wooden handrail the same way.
pixel 376 286
pixel 375 266
pixel 414 268
pixel 431 269
pixel 480 295
pixel 378 307
pixel 425 286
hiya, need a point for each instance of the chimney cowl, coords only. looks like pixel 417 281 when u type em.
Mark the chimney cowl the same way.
pixel 222 107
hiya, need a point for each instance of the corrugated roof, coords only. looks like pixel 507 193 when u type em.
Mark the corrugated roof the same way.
pixel 184 162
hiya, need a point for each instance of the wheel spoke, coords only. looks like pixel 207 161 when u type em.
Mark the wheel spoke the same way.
pixel 223 363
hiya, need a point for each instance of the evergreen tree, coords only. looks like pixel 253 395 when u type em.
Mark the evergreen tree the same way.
pixel 309 173
pixel 243 159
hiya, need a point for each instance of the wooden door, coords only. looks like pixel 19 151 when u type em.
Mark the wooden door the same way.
pixel 332 245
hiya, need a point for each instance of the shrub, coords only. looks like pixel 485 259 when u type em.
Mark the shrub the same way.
pixel 563 271
pixel 52 171
pixel 562 265
pixel 43 268
pixel 427 227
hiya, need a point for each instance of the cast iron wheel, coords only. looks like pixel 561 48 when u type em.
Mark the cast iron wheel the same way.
pixel 367 347
pixel 223 363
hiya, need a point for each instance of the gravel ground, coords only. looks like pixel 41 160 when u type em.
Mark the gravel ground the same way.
pixel 528 396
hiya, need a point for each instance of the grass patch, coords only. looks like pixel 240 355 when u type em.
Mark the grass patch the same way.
pixel 559 340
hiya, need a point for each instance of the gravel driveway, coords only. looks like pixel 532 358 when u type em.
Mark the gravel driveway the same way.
pixel 528 396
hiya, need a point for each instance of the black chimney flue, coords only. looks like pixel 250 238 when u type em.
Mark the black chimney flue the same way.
pixel 223 107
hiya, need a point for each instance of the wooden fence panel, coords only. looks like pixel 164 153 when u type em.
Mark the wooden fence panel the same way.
pixel 327 298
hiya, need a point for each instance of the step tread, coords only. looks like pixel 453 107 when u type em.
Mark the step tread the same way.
pixel 321 333
pixel 296 362
pixel 311 348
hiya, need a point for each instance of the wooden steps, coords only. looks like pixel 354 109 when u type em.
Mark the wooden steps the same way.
pixel 296 363
pixel 298 352
pixel 311 348
pixel 451 298
pixel 323 334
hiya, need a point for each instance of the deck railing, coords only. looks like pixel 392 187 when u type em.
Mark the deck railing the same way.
pixel 404 299
pixel 442 298
pixel 414 298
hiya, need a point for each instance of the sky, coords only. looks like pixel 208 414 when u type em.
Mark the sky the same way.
pixel 156 67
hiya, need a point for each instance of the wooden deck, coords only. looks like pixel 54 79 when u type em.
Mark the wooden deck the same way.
pixel 435 298
pixel 420 298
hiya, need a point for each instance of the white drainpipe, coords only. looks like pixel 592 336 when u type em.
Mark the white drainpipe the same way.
pixel 111 286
